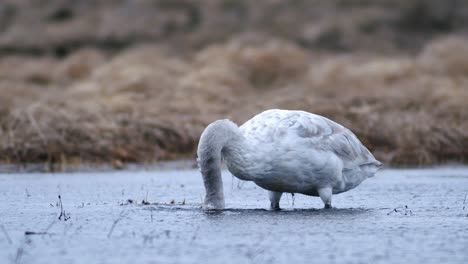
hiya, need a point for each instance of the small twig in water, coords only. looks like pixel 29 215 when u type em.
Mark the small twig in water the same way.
pixel 31 233
pixel 45 232
pixel 464 202
pixel 62 212
pixel 145 201
pixel 27 192
pixel 408 211
pixel 6 235
pixel 115 223
pixel 402 210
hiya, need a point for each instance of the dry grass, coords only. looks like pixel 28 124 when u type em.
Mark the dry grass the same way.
pixel 61 27
pixel 145 104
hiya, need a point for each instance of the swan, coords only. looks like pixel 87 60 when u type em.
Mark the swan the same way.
pixel 284 151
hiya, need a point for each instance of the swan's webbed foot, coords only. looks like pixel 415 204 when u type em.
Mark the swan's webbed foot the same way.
pixel 275 198
pixel 326 196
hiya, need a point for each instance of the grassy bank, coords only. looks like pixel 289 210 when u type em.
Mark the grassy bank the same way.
pixel 147 103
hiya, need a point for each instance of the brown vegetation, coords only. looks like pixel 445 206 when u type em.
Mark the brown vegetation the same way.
pixel 147 104
pixel 137 81
pixel 61 26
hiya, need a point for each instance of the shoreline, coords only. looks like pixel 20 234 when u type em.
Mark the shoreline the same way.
pixel 182 164
pixel 172 165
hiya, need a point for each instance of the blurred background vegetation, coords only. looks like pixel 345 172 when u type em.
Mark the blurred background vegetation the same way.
pixel 113 82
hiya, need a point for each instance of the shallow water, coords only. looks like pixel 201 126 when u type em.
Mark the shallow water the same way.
pixel 104 227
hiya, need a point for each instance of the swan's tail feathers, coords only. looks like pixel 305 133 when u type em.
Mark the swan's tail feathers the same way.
pixel 371 167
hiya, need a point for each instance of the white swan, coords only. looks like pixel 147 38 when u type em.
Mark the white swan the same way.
pixel 284 151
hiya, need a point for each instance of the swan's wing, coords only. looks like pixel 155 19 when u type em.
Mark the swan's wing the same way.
pixel 310 131
pixel 324 134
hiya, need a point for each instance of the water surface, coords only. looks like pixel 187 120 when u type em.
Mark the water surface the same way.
pixel 414 216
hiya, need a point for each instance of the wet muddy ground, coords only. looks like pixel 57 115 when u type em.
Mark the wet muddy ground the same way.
pixel 413 216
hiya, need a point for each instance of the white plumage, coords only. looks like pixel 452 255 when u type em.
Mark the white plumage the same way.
pixel 284 151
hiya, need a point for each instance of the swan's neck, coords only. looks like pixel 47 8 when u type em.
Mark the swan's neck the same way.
pixel 221 138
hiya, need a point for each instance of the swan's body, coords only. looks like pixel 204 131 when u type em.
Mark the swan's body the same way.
pixel 284 151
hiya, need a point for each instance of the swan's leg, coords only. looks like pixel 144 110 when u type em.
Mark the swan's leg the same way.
pixel 275 198
pixel 326 196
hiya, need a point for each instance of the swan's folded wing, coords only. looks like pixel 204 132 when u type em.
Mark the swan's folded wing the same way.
pixel 299 128
pixel 326 135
